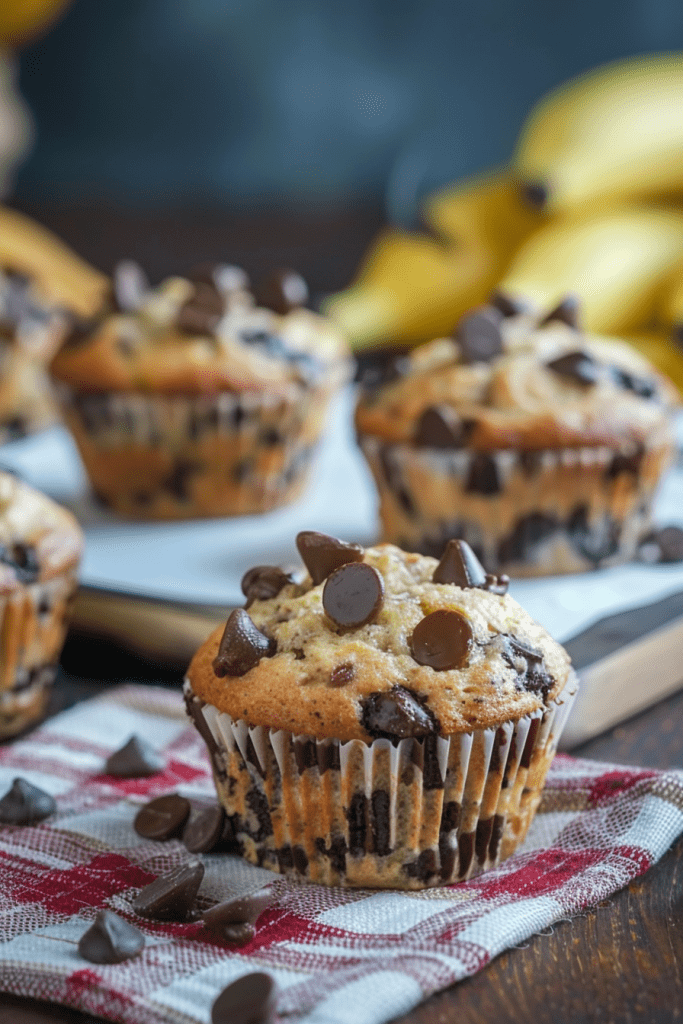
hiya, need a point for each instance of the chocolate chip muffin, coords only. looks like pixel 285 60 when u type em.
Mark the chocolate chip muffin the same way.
pixel 192 399
pixel 30 332
pixel 538 444
pixel 386 721
pixel 40 549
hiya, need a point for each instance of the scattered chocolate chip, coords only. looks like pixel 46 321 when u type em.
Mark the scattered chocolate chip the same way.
pixel 460 566
pixel 239 910
pixel 242 646
pixel 249 1000
pixel 204 830
pixel 439 426
pixel 578 366
pixel 130 285
pixel 110 940
pixel 224 277
pixel 23 559
pixel 163 817
pixel 353 595
pixel 478 335
pixel 136 759
pixel 665 545
pixel 263 582
pixel 342 674
pixel 632 382
pixel 322 554
pixel 442 640
pixel 505 304
pixel 396 714
pixel 171 897
pixel 566 312
pixel 282 291
pixel 239 934
pixel 482 477
pixel 24 804
pixel 536 194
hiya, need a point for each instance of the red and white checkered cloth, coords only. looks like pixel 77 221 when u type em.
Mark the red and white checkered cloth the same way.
pixel 339 956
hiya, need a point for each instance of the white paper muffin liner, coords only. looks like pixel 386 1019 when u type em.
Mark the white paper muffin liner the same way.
pixel 405 814
pixel 33 623
pixel 176 457
pixel 524 513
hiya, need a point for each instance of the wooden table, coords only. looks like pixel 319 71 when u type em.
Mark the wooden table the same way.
pixel 619 963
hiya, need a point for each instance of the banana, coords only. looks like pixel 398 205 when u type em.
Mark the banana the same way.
pixel 612 136
pixel 664 353
pixel 616 264
pixel 64 278
pixel 670 313
pixel 20 20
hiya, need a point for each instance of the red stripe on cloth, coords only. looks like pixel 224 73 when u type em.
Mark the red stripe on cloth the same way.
pixel 69 891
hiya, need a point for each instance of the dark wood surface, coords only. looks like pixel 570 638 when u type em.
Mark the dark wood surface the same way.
pixel 619 963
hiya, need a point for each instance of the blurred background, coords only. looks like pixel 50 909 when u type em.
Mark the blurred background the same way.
pixel 268 128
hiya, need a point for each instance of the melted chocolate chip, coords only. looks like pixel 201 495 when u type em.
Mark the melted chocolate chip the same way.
pixel 505 304
pixel 130 286
pixel 205 829
pixel 171 897
pixel 579 367
pixel 632 382
pixel 528 663
pixel 396 714
pixel 263 582
pixel 353 595
pixel 239 910
pixel 242 646
pixel 482 477
pixel 566 312
pixel 163 817
pixel 24 804
pixel 282 291
pixel 322 554
pixel 439 426
pixel 135 759
pixel 478 335
pixel 342 674
pixel 249 1000
pixel 442 640
pixel 110 940
pixel 460 566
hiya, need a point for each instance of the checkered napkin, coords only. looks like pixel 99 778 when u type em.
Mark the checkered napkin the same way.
pixel 339 956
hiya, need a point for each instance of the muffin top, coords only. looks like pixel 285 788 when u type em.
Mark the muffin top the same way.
pixel 38 538
pixel 376 642
pixel 203 334
pixel 511 380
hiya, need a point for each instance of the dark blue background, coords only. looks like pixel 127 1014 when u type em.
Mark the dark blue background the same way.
pixel 303 102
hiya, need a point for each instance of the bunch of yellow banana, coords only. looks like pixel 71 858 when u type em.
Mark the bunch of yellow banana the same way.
pixel 592 203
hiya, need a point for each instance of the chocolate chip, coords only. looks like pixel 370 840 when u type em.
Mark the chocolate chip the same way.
pixel 529 532
pixel 442 640
pixel 242 646
pixel 171 897
pixel 224 277
pixel 135 759
pixel 263 582
pixel 196 320
pixel 249 1000
pixel 396 714
pixel 177 482
pixel 529 664
pixel 24 804
pixel 579 367
pixel 632 382
pixel 322 554
pixel 594 538
pixel 482 477
pixel 460 566
pixel 238 910
pixel 439 426
pixel 479 336
pixel 342 674
pixel 505 304
pixel 23 559
pixel 130 286
pixel 353 595
pixel 110 940
pixel 665 545
pixel 423 867
pixel 163 817
pixel 566 312
pixel 497 584
pixel 282 291
pixel 204 830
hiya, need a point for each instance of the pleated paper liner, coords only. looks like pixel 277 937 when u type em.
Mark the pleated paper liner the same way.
pixel 33 623
pixel 405 815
